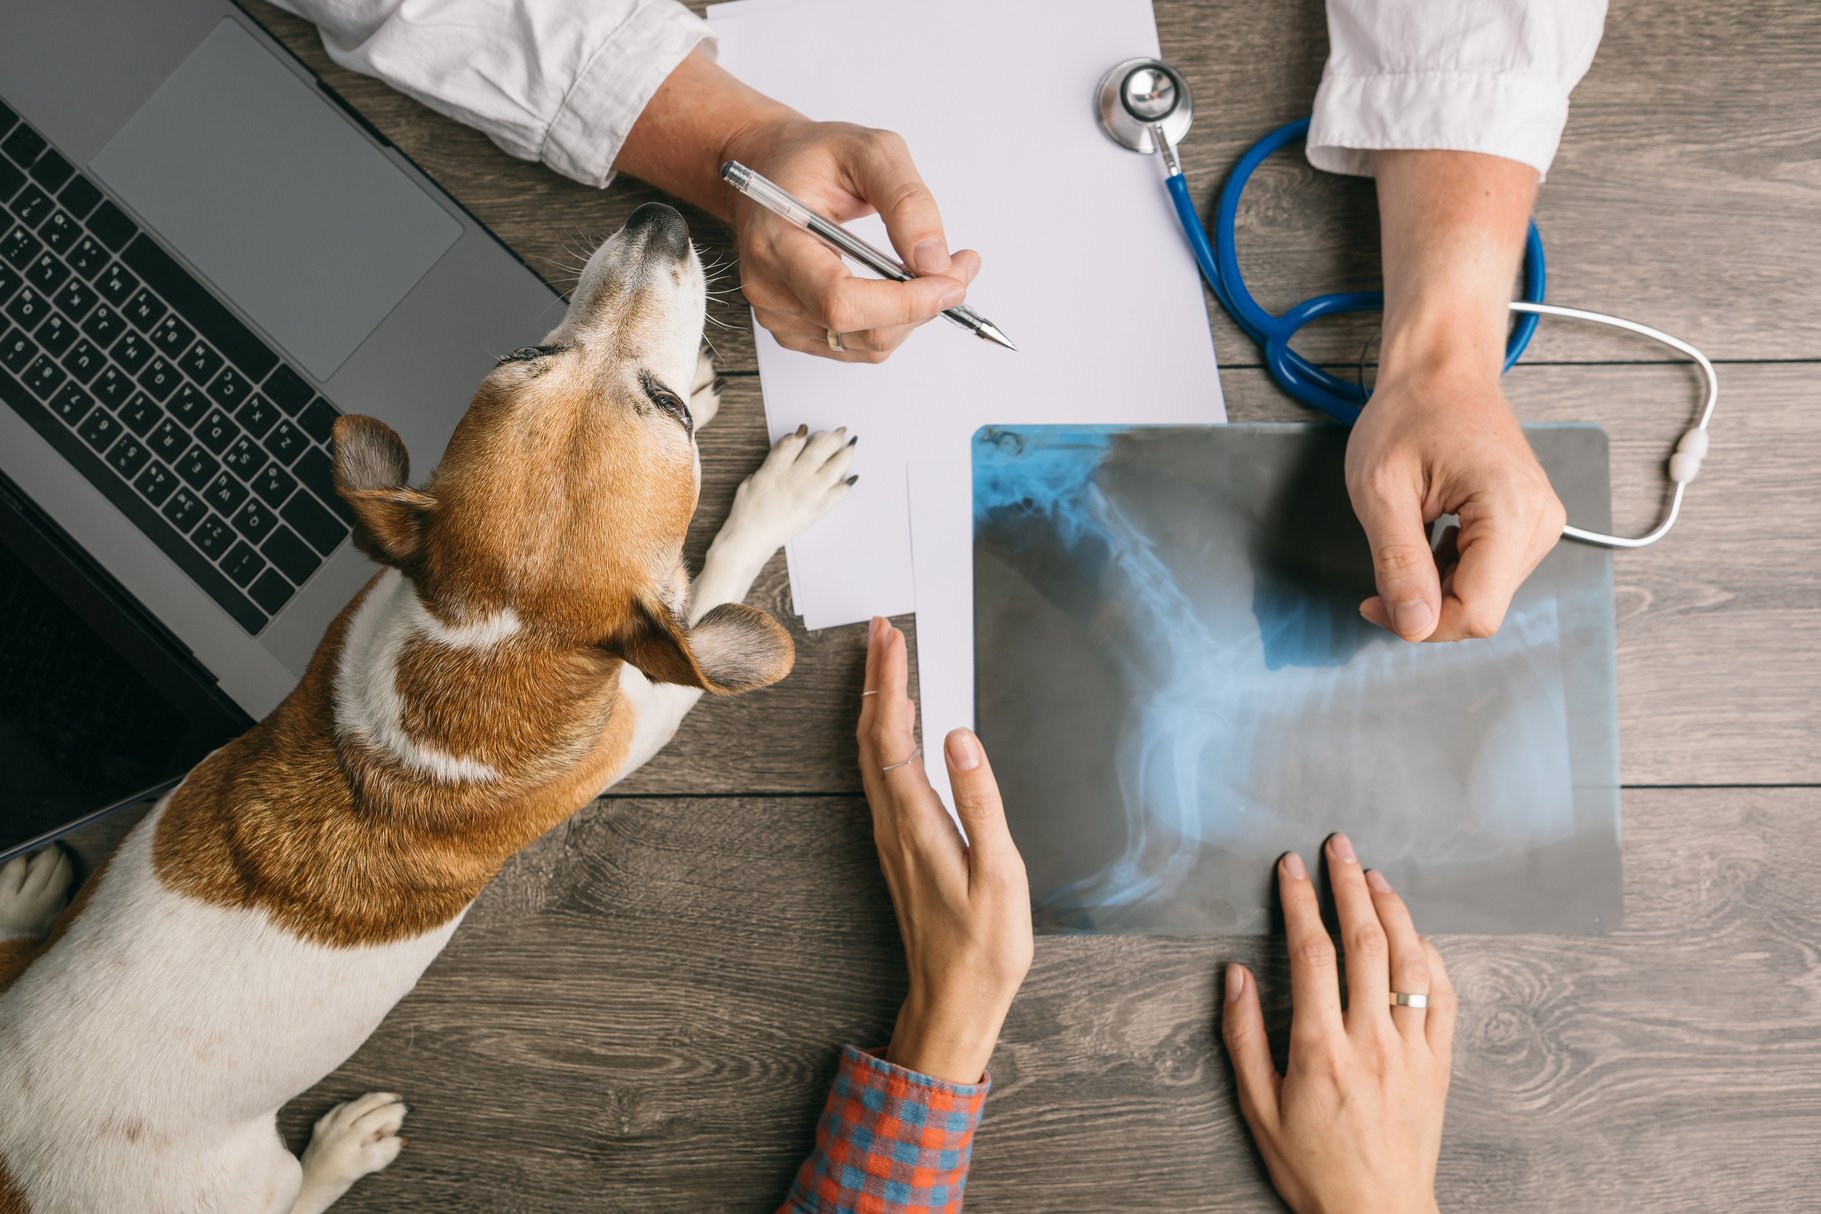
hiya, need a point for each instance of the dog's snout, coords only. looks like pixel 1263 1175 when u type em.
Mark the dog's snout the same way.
pixel 662 227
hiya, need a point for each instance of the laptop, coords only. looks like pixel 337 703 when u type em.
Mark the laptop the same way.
pixel 206 256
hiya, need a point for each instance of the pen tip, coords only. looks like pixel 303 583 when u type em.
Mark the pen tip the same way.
pixel 991 333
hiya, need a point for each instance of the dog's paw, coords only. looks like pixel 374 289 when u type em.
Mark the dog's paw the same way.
pixel 705 394
pixel 803 478
pixel 353 1140
pixel 33 890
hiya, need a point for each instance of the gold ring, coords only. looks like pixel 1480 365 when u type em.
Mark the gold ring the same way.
pixel 1399 999
pixel 891 767
pixel 834 342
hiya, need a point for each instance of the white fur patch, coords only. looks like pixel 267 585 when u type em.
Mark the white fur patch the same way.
pixel 367 703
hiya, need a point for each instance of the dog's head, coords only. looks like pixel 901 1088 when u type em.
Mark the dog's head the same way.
pixel 566 491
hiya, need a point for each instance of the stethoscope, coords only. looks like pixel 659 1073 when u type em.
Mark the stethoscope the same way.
pixel 1145 105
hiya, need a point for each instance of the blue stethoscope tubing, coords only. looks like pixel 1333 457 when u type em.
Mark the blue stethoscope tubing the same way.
pixel 1343 400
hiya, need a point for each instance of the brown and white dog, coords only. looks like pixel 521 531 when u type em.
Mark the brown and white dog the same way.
pixel 533 639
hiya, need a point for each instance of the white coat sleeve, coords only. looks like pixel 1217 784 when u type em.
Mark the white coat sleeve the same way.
pixel 559 81
pixel 1487 76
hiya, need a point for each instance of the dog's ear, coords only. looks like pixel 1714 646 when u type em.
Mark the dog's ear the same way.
pixel 734 648
pixel 371 469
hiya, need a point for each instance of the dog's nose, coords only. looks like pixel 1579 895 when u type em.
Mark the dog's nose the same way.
pixel 662 227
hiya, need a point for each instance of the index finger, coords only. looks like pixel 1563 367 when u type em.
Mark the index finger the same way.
pixel 1314 973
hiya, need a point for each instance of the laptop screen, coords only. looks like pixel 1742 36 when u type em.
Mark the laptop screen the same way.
pixel 96 708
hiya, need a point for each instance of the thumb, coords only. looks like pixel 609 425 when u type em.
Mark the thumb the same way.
pixel 1409 598
pixel 887 179
pixel 977 801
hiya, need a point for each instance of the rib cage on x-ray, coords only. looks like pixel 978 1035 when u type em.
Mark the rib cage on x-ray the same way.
pixel 1176 686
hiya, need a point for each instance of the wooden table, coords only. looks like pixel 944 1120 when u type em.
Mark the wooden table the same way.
pixel 641 1012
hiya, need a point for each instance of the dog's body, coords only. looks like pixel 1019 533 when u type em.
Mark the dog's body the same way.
pixel 254 929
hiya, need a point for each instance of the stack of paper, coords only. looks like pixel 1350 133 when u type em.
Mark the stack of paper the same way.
pixel 1084 268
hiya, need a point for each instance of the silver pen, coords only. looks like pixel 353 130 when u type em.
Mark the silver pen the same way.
pixel 767 194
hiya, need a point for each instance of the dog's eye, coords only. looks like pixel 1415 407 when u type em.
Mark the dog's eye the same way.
pixel 673 404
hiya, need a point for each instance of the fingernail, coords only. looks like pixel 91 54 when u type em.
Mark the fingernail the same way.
pixel 803 430
pixel 1342 849
pixel 952 296
pixel 1293 867
pixel 853 480
pixel 1377 881
pixel 1236 982
pixel 963 750
pixel 929 257
pixel 1412 617
pixel 720 385
pixel 853 440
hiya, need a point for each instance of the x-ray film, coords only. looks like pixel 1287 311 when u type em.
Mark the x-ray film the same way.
pixel 1176 686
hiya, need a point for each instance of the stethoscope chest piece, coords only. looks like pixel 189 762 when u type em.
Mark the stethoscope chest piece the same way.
pixel 1138 93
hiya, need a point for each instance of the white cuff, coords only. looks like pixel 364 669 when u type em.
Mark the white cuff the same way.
pixel 616 84
pixel 1501 115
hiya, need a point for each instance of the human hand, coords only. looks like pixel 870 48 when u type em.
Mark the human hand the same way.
pixel 799 288
pixel 1355 1122
pixel 964 909
pixel 1429 444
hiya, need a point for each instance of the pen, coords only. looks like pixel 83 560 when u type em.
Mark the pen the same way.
pixel 767 194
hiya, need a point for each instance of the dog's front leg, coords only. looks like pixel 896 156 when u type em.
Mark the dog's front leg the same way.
pixel 803 478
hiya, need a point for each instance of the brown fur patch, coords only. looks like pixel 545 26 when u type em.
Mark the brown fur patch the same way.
pixel 341 845
pixel 12 1199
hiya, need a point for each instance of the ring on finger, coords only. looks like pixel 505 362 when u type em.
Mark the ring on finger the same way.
pixel 873 692
pixel 1400 999
pixel 914 756
pixel 834 342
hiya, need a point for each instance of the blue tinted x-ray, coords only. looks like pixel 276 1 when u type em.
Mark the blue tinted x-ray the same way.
pixel 1176 686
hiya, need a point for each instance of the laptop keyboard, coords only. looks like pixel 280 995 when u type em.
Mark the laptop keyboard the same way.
pixel 138 375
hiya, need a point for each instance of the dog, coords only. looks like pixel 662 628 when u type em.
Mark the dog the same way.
pixel 533 637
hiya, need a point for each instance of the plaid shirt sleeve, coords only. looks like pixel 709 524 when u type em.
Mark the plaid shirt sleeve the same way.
pixel 889 1140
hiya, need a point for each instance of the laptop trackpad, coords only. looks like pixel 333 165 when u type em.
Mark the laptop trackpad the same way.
pixel 254 177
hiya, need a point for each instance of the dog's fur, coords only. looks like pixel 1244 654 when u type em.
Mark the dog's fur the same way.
pixel 532 639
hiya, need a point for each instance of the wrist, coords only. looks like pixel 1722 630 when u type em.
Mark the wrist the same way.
pixel 949 1046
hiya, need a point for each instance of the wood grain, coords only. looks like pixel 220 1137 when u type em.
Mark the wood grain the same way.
pixel 642 1013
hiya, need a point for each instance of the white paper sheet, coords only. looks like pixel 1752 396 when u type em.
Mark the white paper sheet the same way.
pixel 1084 268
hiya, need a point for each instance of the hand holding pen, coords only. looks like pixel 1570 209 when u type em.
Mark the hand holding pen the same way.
pixel 872 345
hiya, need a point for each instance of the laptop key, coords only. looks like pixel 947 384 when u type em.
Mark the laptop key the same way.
pixel 214 537
pixel 86 257
pixel 201 362
pixel 128 455
pixel 144 309
pixel 197 467
pixel 47 273
pixel 75 299
pixel 17 350
pixel 318 421
pixel 216 431
pixel 254 520
pixel 159 378
pixel 141 413
pixel 84 361
pixel 44 377
pixel 294 558
pixel 51 170
pixel 113 389
pixel 99 429
pixel 199 306
pixel 256 414
pixel 59 232
pixel 27 308
pixel 287 390
pixel 79 196
pixel 117 285
pixel 23 145
pixel 11 177
pixel 225 493
pixel 244 458
pixel 187 405
pixel 168 439
pixel 71 404
pixel 31 205
pixel 104 325
pixel 155 482
pixel 19 247
pixel 314 523
pixel 230 387
pixel 287 442
pixel 274 484
pixel 111 226
pixel 184 509
pixel 172 337
pixel 271 592
pixel 56 334
pixel 243 563
pixel 131 352
pixel 10 280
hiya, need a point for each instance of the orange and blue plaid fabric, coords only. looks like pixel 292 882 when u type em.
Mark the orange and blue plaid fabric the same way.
pixel 889 1140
